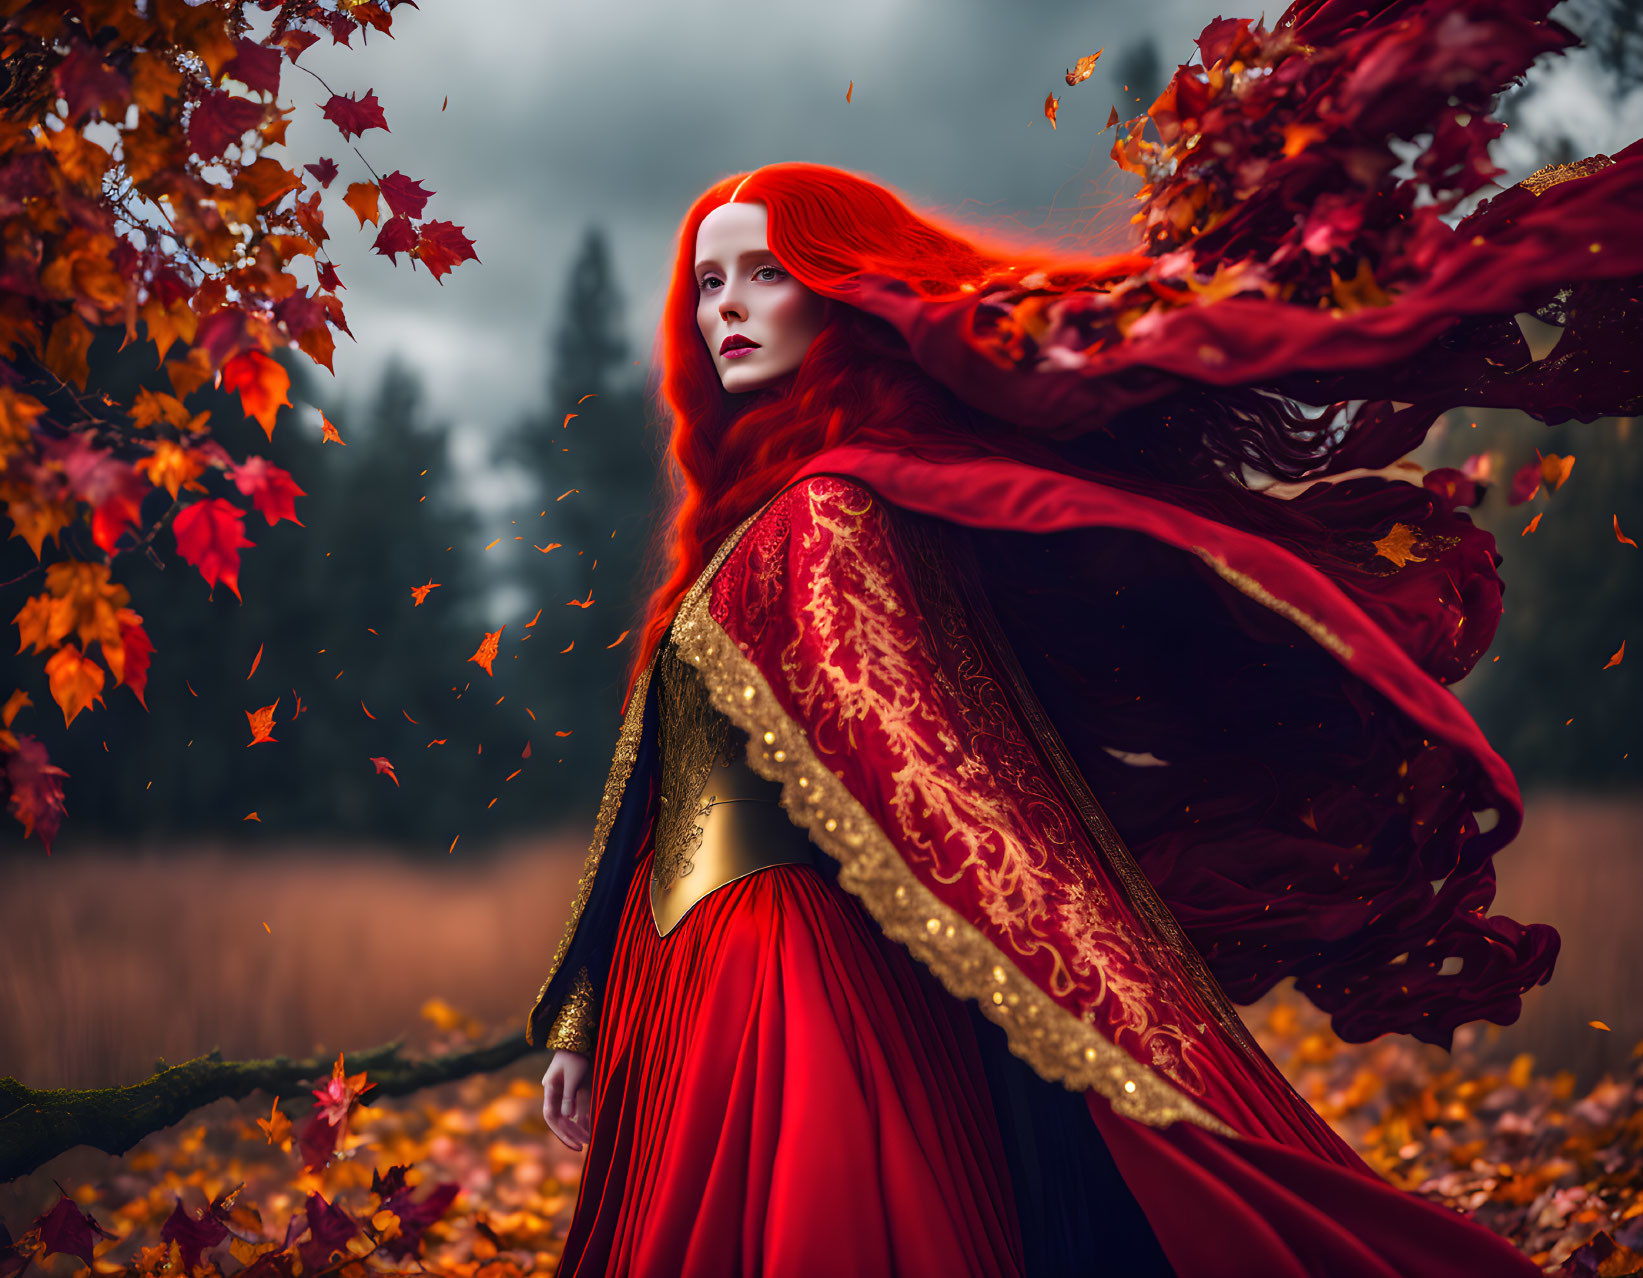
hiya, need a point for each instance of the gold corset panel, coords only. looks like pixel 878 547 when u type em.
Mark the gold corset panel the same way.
pixel 717 820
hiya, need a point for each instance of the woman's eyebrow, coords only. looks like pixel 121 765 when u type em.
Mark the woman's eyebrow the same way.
pixel 713 261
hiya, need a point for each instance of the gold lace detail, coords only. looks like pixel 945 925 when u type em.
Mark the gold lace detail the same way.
pixel 1543 180
pixel 695 739
pixel 621 768
pixel 1057 1044
pixel 574 1029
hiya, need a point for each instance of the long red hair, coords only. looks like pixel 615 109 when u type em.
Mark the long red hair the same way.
pixel 729 453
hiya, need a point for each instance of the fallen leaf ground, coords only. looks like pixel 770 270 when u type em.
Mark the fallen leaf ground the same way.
pixel 1556 1173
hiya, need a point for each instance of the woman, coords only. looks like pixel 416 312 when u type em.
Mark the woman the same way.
pixel 992 733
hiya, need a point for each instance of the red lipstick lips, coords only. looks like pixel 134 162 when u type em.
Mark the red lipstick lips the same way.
pixel 735 342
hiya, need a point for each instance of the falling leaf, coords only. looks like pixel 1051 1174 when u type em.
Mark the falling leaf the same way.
pixel 486 652
pixel 567 493
pixel 384 768
pixel 1052 104
pixel 1112 119
pixel 1084 68
pixel 1618 656
pixel 328 432
pixel 1556 469
pixel 617 640
pixel 1598 1025
pixel 419 593
pixel 1532 525
pixel 568 647
pixel 446 102
pixel 564 734
pixel 492 546
pixel 255 662
pixel 566 422
pixel 582 603
pixel 262 724
pixel 552 545
pixel 1398 545
pixel 251 816
pixel 1620 536
pixel 851 88
pixel 589 395
pixel 364 707
pixel 534 619
pixel 452 848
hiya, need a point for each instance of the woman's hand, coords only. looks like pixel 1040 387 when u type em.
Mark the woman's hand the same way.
pixel 567 1097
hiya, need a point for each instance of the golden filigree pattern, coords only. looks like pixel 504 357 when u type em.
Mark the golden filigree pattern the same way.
pixel 621 768
pixel 1256 591
pixel 1543 180
pixel 576 1027
pixel 1057 1043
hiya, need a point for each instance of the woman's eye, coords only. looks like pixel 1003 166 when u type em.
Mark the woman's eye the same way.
pixel 772 269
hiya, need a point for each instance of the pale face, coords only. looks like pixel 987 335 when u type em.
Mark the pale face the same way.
pixel 743 291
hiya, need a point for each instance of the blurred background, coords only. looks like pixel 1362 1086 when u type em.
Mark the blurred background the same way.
pixel 568 141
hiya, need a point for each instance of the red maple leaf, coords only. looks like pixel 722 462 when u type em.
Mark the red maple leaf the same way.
pixel 441 246
pixel 271 489
pixel 67 1228
pixel 405 196
pixel 256 66
pixel 396 236
pixel 384 768
pixel 325 171
pixel 328 279
pixel 36 792
pixel 218 120
pixel 192 1234
pixel 415 1217
pixel 354 117
pixel 210 535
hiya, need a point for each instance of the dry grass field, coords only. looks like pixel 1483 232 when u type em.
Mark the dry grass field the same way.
pixel 110 958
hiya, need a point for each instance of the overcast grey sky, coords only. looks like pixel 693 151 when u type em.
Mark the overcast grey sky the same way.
pixel 618 112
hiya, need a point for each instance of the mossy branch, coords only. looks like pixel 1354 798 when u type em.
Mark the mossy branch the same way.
pixel 37 1125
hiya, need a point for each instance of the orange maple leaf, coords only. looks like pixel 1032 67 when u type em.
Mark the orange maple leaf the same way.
pixel 487 650
pixel 328 433
pixel 362 198
pixel 75 681
pixel 1084 67
pixel 1052 104
pixel 384 768
pixel 1398 545
pixel 262 384
pixel 262 724
pixel 419 593
pixel 1618 657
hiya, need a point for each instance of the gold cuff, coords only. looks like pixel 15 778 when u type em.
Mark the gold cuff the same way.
pixel 578 1020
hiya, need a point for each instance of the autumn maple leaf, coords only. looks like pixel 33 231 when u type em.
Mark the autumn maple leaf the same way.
pixel 75 680
pixel 419 593
pixel 396 236
pixel 441 245
pixel 353 116
pixel 36 790
pixel 210 535
pixel 1052 104
pixel 271 490
pixel 262 384
pixel 1084 68
pixel 361 197
pixel 405 196
pixel 325 171
pixel 384 768
pixel 262 724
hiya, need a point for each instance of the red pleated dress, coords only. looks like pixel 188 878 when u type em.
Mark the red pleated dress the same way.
pixel 780 1090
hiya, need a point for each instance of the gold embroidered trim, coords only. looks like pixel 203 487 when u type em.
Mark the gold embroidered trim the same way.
pixel 1057 1044
pixel 1543 180
pixel 1096 822
pixel 1256 591
pixel 576 1027
pixel 621 768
